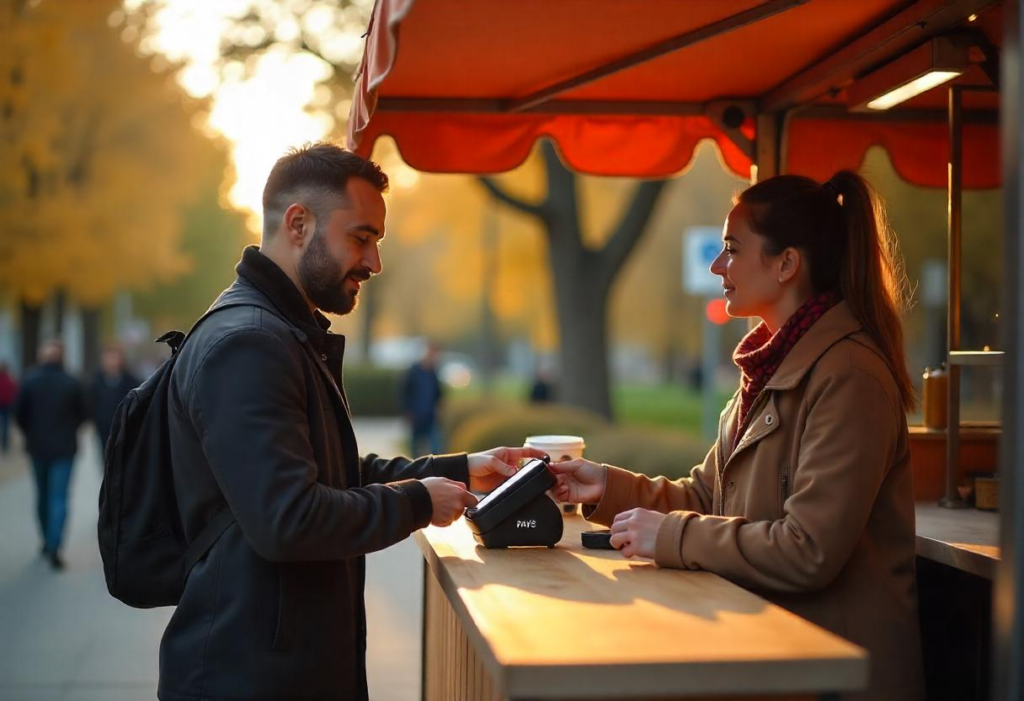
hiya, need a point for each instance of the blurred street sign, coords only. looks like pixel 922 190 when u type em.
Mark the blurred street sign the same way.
pixel 701 245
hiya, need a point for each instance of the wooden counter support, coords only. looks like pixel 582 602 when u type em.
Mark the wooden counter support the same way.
pixel 570 623
pixel 958 554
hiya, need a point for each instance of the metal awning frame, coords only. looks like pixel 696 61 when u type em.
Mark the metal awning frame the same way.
pixel 771 111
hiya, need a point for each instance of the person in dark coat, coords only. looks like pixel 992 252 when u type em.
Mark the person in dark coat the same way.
pixel 542 389
pixel 112 382
pixel 8 391
pixel 260 425
pixel 421 397
pixel 49 409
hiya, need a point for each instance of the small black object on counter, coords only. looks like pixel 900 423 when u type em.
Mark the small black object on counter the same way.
pixel 597 540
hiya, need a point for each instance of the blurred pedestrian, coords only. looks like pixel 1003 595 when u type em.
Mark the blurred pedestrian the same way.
pixel 49 409
pixel 421 396
pixel 8 391
pixel 112 382
pixel 542 389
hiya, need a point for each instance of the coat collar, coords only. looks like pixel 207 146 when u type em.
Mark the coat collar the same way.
pixel 835 325
pixel 265 275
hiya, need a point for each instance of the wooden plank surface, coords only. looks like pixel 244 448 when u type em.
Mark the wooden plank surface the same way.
pixel 575 623
pixel 967 539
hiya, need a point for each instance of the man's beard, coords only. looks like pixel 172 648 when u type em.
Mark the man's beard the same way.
pixel 324 284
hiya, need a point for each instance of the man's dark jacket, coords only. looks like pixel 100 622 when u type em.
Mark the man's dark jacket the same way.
pixel 49 409
pixel 259 421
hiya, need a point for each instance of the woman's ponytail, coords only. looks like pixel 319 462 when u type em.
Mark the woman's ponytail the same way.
pixel 872 278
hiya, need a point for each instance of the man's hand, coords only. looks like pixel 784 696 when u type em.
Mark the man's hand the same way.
pixel 492 467
pixel 449 499
pixel 635 532
pixel 579 481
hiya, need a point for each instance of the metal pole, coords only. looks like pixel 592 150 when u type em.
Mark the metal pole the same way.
pixel 1007 614
pixel 953 235
pixel 488 326
pixel 710 410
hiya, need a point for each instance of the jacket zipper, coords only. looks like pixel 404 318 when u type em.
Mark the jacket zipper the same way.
pixel 785 484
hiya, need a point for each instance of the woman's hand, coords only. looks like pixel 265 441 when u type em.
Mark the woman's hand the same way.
pixel 492 467
pixel 579 481
pixel 635 532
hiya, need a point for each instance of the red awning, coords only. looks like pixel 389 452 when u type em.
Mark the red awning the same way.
pixel 470 85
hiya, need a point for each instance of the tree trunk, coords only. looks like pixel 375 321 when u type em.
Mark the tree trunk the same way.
pixel 583 277
pixel 368 309
pixel 60 306
pixel 90 341
pixel 582 305
pixel 31 322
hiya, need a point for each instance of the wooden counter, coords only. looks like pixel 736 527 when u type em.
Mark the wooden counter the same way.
pixel 966 539
pixel 567 623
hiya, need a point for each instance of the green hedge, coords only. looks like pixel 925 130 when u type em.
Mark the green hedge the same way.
pixel 650 451
pixel 647 450
pixel 373 391
pixel 455 411
pixel 511 425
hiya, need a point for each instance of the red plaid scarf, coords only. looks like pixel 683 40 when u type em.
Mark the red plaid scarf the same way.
pixel 760 353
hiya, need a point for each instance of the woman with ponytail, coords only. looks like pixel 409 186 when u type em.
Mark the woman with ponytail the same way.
pixel 806 496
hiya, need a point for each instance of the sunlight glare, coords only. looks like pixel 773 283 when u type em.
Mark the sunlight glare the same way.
pixel 263 115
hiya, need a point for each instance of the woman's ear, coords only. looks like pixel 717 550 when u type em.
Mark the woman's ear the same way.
pixel 790 262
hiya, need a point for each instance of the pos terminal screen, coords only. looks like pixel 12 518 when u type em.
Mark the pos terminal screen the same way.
pixel 508 485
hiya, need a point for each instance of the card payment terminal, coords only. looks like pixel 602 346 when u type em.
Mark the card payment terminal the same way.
pixel 518 513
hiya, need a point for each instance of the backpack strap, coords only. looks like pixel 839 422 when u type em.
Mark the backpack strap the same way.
pixel 211 532
pixel 215 527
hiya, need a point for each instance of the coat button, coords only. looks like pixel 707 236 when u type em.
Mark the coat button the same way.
pixel 323 357
pixel 732 484
pixel 769 419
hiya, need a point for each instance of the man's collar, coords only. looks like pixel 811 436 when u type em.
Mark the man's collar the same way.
pixel 268 278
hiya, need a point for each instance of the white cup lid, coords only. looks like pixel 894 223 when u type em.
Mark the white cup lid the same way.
pixel 555 442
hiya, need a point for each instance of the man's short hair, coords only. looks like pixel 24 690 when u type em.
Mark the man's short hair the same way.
pixel 314 175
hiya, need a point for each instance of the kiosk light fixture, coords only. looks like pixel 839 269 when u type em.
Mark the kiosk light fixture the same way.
pixel 933 63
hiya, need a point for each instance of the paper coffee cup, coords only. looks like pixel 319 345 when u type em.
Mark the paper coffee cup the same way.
pixel 560 448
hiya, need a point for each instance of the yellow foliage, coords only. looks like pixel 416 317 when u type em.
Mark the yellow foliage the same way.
pixel 438 231
pixel 97 156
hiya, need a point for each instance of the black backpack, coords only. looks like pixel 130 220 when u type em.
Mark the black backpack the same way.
pixel 146 558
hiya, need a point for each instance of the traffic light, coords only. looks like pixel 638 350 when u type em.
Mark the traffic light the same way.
pixel 716 312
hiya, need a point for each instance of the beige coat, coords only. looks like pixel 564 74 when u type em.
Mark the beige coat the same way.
pixel 814 509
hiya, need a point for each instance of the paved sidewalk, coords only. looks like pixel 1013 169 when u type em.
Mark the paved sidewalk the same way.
pixel 63 638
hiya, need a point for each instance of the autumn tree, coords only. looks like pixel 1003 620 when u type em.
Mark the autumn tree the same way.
pixel 98 154
pixel 212 235
pixel 584 275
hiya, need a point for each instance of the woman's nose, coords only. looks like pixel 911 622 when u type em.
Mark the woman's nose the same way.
pixel 718 265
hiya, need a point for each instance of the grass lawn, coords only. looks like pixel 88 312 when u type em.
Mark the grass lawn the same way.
pixel 673 407
pixel 662 406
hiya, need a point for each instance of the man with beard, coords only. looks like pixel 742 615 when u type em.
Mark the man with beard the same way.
pixel 261 429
